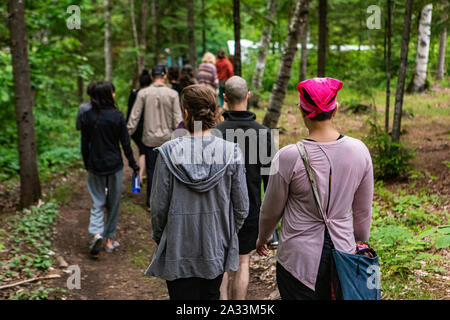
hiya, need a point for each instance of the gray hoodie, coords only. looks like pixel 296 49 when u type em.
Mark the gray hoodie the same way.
pixel 199 202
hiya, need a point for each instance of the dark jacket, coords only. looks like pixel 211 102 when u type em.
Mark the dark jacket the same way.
pixel 257 157
pixel 100 136
pixel 137 135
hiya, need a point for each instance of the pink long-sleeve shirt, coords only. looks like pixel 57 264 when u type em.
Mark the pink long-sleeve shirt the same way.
pixel 289 196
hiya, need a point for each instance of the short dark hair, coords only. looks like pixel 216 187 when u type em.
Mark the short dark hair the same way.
pixel 173 73
pixel 144 79
pixel 202 104
pixel 158 71
pixel 324 115
pixel 221 54
pixel 102 96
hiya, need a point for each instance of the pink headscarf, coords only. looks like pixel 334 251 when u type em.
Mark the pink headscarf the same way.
pixel 323 92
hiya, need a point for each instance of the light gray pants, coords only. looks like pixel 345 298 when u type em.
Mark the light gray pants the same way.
pixel 101 199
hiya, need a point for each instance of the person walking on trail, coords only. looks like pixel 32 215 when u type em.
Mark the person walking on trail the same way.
pixel 224 72
pixel 84 106
pixel 144 81
pixel 174 79
pixel 161 110
pixel 343 169
pixel 255 141
pixel 102 129
pixel 199 203
pixel 207 72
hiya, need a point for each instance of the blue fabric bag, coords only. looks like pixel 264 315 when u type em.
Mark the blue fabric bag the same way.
pixel 359 275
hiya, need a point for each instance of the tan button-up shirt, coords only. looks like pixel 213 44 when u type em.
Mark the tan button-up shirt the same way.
pixel 162 114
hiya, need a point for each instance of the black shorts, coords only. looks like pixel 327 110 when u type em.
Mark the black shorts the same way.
pixel 247 235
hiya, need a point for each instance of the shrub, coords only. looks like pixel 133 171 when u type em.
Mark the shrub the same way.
pixel 390 159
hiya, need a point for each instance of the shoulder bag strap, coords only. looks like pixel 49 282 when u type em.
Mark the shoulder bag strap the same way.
pixel 312 179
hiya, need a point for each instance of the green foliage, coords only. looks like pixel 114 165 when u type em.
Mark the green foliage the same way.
pixel 39 294
pixel 406 231
pixel 390 159
pixel 29 241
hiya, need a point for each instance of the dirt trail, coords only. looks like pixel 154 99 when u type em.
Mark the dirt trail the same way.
pixel 119 275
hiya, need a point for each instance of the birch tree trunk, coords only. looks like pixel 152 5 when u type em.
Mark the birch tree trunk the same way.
pixel 237 37
pixel 139 53
pixel 304 50
pixel 423 46
pixel 323 33
pixel 440 70
pixel 108 52
pixel 287 58
pixel 402 73
pixel 388 62
pixel 264 43
pixel 30 187
pixel 191 33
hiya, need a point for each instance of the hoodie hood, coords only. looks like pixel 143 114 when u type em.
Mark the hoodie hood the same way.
pixel 200 162
pixel 239 115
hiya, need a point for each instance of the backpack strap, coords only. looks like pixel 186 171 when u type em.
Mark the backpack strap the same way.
pixel 312 179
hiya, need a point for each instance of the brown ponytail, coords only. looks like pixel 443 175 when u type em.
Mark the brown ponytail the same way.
pixel 201 104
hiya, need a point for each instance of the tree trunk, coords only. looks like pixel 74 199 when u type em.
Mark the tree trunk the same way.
pixel 139 53
pixel 237 37
pixel 266 36
pixel 142 36
pixel 155 42
pixel 203 28
pixel 191 33
pixel 323 33
pixel 30 187
pixel 80 88
pixel 402 73
pixel 304 51
pixel 388 62
pixel 423 46
pixel 108 52
pixel 440 70
pixel 287 58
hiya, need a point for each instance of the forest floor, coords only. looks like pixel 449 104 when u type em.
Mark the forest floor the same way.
pixel 120 275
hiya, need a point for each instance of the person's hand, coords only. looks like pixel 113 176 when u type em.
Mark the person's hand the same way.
pixel 135 168
pixel 261 248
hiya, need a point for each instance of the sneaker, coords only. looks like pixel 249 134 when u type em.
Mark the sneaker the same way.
pixel 95 246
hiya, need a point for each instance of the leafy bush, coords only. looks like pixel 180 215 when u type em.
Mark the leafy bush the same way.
pixel 390 159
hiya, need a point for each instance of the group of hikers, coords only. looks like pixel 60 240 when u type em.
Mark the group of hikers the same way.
pixel 207 162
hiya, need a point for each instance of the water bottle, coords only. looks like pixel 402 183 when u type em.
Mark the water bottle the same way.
pixel 136 183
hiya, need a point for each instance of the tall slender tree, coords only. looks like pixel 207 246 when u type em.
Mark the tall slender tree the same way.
pixel 237 37
pixel 30 187
pixel 139 51
pixel 388 62
pixel 264 43
pixel 191 32
pixel 323 34
pixel 423 48
pixel 203 27
pixel 154 12
pixel 402 72
pixel 108 50
pixel 287 58
pixel 440 69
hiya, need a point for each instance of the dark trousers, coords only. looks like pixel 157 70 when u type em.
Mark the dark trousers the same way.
pixel 194 288
pixel 150 161
pixel 292 289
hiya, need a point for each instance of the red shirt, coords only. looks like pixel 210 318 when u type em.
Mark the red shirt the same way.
pixel 224 69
